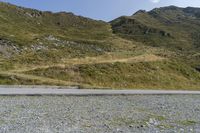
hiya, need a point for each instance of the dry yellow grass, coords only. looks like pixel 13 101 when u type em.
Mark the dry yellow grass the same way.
pixel 95 60
pixel 38 78
pixel 107 58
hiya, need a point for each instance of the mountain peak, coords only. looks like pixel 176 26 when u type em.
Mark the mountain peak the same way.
pixel 167 8
pixel 139 12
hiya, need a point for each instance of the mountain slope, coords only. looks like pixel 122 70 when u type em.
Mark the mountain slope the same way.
pixel 168 26
pixel 64 49
pixel 32 36
pixel 28 24
pixel 174 28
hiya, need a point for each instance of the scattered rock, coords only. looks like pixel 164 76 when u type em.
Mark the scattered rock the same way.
pixel 79 114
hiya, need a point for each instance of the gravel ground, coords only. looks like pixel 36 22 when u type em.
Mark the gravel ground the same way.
pixel 83 114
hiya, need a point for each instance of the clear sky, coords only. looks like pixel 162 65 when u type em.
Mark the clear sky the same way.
pixel 101 9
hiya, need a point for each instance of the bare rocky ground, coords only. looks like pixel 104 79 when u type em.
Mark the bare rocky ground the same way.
pixel 83 114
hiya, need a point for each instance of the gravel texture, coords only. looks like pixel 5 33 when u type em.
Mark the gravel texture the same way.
pixel 83 114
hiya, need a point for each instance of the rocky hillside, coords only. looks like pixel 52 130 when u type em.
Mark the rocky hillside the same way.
pixel 155 50
pixel 172 27
pixel 18 23
pixel 25 31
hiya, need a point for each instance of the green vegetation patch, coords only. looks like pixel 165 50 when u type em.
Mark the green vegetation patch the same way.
pixel 14 80
pixel 151 75
pixel 187 122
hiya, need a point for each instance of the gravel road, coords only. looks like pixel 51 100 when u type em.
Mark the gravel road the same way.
pixel 97 114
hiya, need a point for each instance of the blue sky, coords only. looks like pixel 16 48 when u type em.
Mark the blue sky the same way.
pixel 101 9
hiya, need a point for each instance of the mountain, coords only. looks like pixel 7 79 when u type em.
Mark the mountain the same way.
pixel 158 49
pixel 33 29
pixel 171 26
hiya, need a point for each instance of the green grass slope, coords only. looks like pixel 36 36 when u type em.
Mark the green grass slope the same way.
pixel 24 25
pixel 172 27
pixel 38 35
pixel 145 75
